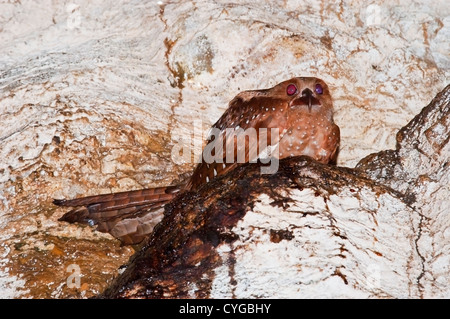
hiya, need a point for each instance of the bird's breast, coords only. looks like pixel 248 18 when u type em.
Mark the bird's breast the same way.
pixel 310 135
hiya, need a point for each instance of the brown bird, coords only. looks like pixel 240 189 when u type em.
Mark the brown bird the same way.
pixel 298 116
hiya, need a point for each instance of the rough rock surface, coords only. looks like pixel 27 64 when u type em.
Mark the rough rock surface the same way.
pixel 94 95
pixel 310 230
pixel 419 168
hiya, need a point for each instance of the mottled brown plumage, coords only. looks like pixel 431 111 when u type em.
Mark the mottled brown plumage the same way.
pixel 300 108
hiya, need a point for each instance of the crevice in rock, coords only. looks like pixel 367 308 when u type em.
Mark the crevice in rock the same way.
pixel 422 259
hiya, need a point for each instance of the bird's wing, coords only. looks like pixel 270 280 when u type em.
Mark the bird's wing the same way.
pixel 236 135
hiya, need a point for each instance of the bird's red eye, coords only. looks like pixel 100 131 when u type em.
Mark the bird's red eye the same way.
pixel 319 89
pixel 291 89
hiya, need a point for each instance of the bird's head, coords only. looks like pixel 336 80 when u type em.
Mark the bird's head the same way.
pixel 305 91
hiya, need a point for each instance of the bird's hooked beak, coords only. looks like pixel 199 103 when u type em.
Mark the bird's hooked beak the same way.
pixel 306 98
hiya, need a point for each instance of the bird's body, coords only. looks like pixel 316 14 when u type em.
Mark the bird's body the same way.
pixel 296 114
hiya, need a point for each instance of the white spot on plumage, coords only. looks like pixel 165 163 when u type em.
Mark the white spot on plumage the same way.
pixel 207 179
pixel 215 172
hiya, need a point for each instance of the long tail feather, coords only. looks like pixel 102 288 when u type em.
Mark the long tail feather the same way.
pixel 129 216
